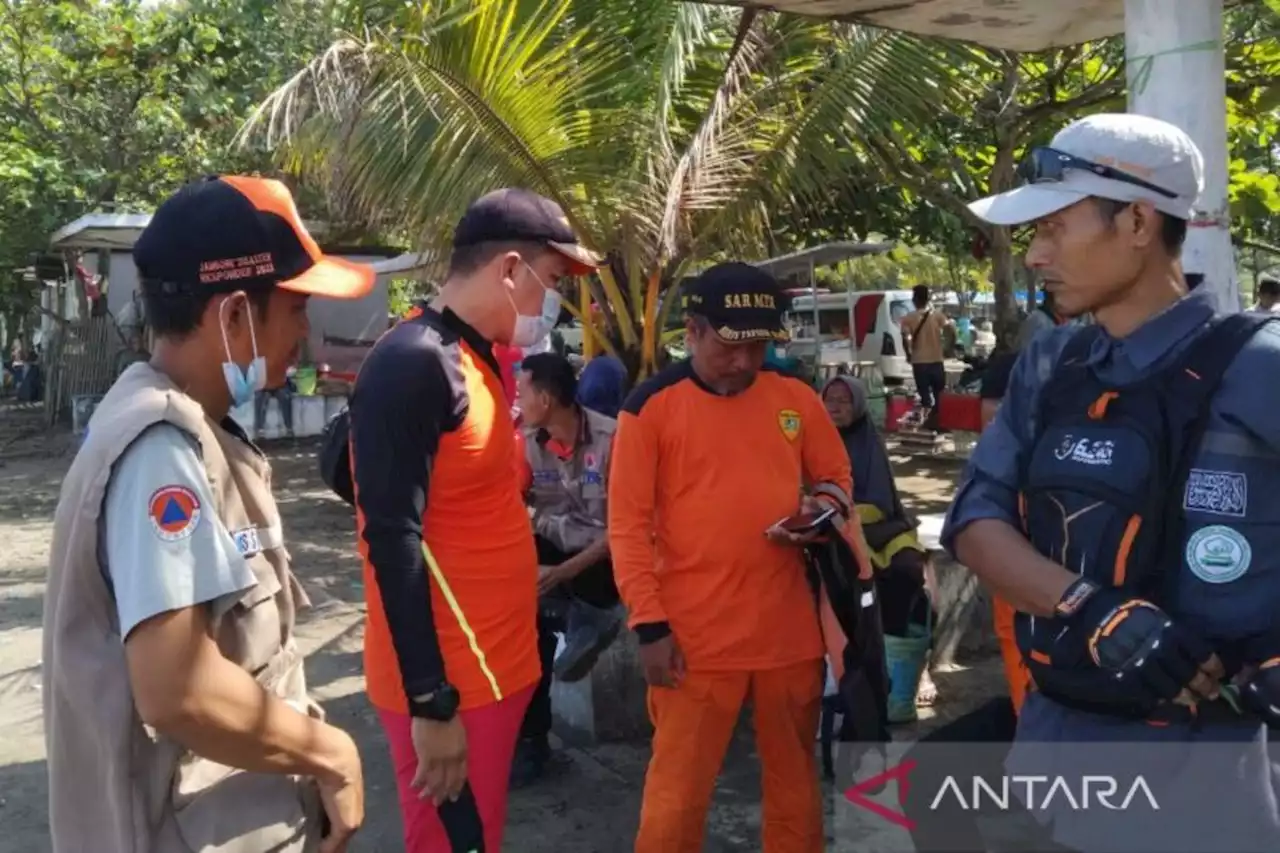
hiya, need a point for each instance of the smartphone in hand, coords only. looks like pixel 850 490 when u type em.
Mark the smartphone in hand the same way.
pixel 802 524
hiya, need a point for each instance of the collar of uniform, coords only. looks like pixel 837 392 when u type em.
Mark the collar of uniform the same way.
pixel 230 425
pixel 1156 338
pixel 584 430
pixel 478 343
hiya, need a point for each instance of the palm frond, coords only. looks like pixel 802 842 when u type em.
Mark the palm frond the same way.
pixel 667 131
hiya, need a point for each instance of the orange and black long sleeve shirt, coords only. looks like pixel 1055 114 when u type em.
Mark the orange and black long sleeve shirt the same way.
pixel 697 478
pixel 449 560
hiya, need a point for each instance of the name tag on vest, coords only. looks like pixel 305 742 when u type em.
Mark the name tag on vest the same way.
pixel 247 541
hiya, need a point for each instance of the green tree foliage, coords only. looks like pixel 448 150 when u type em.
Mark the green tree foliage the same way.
pixel 1253 121
pixel 1024 100
pixel 669 132
pixel 113 103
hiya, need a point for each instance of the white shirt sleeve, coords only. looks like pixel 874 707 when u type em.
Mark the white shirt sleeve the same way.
pixel 164 547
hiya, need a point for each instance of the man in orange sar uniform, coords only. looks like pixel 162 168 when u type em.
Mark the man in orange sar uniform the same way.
pixel 709 455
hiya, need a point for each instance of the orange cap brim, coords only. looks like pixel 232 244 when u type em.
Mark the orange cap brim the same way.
pixel 582 261
pixel 334 278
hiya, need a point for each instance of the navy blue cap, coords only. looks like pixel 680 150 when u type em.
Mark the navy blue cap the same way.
pixel 742 303
pixel 520 215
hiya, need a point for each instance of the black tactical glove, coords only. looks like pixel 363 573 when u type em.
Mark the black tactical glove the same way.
pixel 1133 639
pixel 1260 694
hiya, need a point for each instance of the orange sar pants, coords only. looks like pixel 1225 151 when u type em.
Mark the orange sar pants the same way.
pixel 693 724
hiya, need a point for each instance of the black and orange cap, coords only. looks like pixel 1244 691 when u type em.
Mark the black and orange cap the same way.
pixel 518 214
pixel 227 233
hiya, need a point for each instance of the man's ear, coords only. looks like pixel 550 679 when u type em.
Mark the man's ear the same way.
pixel 225 311
pixel 690 329
pixel 1142 221
pixel 508 264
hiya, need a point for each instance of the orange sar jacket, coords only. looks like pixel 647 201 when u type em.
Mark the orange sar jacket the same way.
pixel 696 480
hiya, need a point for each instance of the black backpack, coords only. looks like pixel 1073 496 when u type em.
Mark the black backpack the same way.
pixel 1128 523
pixel 335 456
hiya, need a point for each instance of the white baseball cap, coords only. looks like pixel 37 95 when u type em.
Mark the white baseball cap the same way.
pixel 1118 156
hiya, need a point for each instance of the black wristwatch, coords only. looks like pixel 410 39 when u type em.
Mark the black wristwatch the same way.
pixel 440 704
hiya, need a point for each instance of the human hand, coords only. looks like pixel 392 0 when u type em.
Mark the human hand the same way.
pixel 781 536
pixel 342 796
pixel 663 662
pixel 1142 645
pixel 441 748
pixel 549 577
pixel 809 505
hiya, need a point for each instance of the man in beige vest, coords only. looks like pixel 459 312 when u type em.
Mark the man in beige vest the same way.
pixel 567 452
pixel 176 714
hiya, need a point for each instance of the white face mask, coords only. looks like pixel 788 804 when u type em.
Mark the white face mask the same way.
pixel 242 382
pixel 528 330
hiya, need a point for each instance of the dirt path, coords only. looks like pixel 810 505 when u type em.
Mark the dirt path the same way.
pixel 591 808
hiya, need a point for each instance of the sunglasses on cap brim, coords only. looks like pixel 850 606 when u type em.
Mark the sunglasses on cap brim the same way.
pixel 1050 166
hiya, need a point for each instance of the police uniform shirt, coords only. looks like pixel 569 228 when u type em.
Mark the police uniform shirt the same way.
pixel 162 547
pixel 1227 499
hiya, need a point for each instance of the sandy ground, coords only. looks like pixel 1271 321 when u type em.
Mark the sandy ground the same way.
pixel 592 806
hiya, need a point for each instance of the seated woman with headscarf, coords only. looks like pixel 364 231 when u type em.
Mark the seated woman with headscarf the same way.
pixel 890 531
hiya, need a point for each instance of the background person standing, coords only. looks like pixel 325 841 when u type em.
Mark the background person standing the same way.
pixel 925 328
pixel 710 454
pixel 1268 294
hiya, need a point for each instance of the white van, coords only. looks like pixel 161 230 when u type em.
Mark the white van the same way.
pixel 861 325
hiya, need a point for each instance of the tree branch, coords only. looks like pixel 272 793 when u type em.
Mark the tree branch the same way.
pixel 916 179
pixel 1096 94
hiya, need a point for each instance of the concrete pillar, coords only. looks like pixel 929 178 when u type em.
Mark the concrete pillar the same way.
pixel 1176 73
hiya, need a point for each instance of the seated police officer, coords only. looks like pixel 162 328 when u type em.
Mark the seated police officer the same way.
pixel 567 452
pixel 1119 500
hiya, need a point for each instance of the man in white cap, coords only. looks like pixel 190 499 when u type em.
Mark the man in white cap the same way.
pixel 1120 501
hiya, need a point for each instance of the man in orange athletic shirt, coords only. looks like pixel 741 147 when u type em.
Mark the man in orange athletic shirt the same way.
pixel 450 567
pixel 709 455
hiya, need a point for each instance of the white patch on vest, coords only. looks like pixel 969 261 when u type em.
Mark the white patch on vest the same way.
pixel 247 541
pixel 1085 451
pixel 591 475
pixel 1217 492
pixel 1218 554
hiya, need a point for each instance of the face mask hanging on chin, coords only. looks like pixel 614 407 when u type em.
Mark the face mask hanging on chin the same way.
pixel 242 382
pixel 528 331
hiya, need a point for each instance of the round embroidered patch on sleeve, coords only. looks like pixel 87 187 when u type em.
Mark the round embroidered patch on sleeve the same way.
pixel 174 511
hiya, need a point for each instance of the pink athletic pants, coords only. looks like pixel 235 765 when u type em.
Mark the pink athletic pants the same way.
pixel 492 731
